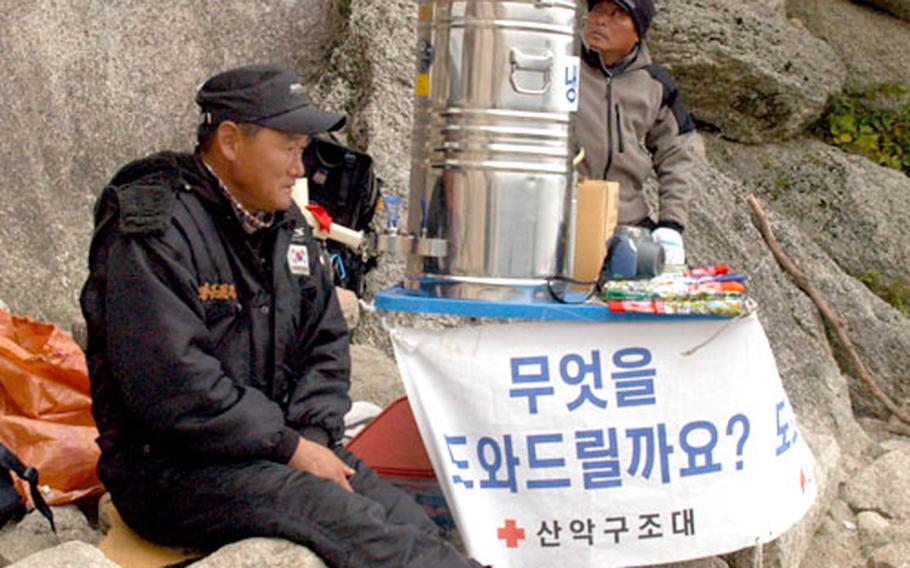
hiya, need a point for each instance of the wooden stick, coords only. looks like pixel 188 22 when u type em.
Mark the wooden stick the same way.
pixel 835 321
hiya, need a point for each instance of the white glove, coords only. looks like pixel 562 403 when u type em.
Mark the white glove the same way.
pixel 672 242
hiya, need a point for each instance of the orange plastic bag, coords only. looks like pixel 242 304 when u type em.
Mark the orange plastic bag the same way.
pixel 45 408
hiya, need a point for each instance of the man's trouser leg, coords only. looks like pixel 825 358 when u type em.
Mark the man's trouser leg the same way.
pixel 377 526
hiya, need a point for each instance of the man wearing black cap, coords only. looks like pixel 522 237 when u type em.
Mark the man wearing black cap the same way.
pixel 217 350
pixel 631 120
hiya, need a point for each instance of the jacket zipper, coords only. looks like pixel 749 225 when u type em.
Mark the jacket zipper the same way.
pixel 619 130
pixel 609 127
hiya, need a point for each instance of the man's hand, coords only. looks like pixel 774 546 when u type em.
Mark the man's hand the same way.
pixel 672 242
pixel 322 462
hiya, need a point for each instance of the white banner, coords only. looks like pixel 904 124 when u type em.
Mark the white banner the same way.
pixel 607 444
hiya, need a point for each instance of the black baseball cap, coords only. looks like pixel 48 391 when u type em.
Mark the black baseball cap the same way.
pixel 267 95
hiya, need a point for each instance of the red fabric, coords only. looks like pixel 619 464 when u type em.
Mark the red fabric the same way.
pixel 45 408
pixel 391 444
pixel 322 216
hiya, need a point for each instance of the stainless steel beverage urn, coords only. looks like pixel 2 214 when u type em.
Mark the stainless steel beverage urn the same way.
pixel 490 212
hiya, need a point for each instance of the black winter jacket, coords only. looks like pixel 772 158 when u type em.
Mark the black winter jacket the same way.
pixel 203 346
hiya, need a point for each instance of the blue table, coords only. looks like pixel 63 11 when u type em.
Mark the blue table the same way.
pixel 400 299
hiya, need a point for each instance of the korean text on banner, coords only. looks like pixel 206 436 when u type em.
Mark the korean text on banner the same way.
pixel 605 444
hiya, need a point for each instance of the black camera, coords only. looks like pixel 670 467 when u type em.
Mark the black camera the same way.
pixel 632 254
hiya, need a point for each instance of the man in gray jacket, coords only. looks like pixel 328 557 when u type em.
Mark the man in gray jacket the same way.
pixel 631 120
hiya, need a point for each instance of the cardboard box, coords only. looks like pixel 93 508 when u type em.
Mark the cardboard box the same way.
pixel 597 212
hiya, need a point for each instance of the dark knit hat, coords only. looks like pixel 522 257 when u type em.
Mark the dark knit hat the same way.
pixel 642 12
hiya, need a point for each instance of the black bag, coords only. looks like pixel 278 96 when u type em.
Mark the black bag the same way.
pixel 11 505
pixel 342 181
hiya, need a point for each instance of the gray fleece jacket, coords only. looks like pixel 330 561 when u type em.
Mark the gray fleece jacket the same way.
pixel 630 123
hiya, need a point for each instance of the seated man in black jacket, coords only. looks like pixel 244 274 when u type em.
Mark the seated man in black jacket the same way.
pixel 217 350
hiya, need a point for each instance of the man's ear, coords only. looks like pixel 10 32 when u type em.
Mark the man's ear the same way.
pixel 227 137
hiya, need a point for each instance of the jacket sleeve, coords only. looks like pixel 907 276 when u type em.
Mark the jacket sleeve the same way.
pixel 160 354
pixel 671 143
pixel 319 398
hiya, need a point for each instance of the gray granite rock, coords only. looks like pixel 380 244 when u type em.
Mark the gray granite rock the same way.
pixel 90 85
pixel 350 307
pixel 372 74
pixel 374 376
pixel 840 513
pixel 896 555
pixel 261 553
pixel 870 521
pixel 873 46
pixel 793 547
pixel 851 209
pixel 33 533
pixel 712 562
pixel 874 529
pixel 902 444
pixel 743 68
pixel 721 229
pixel 105 522
pixel 833 544
pixel 882 486
pixel 899 8
pixel 68 555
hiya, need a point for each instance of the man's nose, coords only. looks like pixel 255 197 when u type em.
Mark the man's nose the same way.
pixel 297 168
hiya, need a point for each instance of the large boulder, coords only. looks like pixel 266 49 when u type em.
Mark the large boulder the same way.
pixel 743 69
pixel 73 554
pixel 33 534
pixel 261 553
pixel 721 229
pixel 374 376
pixel 899 8
pixel 874 487
pixel 851 209
pixel 878 533
pixel 88 87
pixel 836 541
pixel 874 47
pixel 372 74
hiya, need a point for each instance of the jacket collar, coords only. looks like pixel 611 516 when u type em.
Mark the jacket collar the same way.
pixel 638 59
pixel 208 188
pixel 185 172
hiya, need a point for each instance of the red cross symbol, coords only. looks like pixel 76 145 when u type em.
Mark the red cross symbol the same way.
pixel 802 480
pixel 511 534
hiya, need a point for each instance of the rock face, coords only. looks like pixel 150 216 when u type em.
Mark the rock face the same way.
pixel 373 77
pixel 88 87
pixel 33 534
pixel 857 34
pixel 900 8
pixel 851 209
pixel 374 376
pixel 743 69
pixel 721 228
pixel 836 541
pixel 261 553
pixel 869 489
pixel 68 555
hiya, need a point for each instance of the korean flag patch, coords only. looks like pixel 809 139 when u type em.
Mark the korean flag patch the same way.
pixel 299 260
